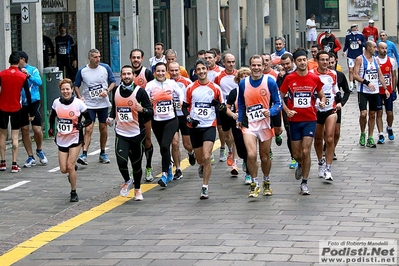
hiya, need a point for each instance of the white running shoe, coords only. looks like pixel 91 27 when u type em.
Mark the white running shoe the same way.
pixel 328 175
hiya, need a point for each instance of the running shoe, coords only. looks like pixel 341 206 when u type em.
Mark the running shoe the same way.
pixel 74 197
pixel 305 189
pixel 381 139
pixel 15 168
pixel 30 162
pixel 271 155
pixel 267 190
pixel 212 158
pixel 322 168
pixel 230 158
pixel 138 196
pixel 83 159
pixel 178 175
pixel 328 175
pixel 126 188
pixel 201 171
pixel 163 181
pixel 103 158
pixel 370 143
pixel 254 190
pixel 244 166
pixel 191 158
pixel 234 170
pixel 335 157
pixel 170 174
pixel 362 140
pixel 248 180
pixel 3 166
pixel 148 174
pixel 298 172
pixel 293 163
pixel 279 140
pixel 391 136
pixel 204 193
pixel 42 158
pixel 223 155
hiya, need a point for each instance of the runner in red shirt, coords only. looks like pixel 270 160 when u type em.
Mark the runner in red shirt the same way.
pixel 12 81
pixel 301 112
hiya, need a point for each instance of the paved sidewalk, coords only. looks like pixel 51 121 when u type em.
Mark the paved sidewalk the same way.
pixel 172 226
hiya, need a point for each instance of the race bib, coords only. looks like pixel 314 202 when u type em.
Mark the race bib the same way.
pixel 202 110
pixel 302 99
pixel 164 107
pixel 94 91
pixel 329 100
pixel 254 113
pixel 176 103
pixel 124 114
pixel 62 49
pixel 64 126
pixel 370 38
pixel 354 45
pixel 371 75
pixel 387 79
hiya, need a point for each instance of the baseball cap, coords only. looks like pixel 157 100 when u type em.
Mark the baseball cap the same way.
pixel 24 55
pixel 354 25
pixel 371 21
pixel 327 31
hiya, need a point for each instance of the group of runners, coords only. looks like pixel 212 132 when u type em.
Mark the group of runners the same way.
pixel 246 107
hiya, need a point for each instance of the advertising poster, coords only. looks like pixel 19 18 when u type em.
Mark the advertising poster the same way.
pixel 362 9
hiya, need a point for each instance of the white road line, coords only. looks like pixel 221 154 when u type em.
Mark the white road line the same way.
pixel 54 169
pixel 92 153
pixel 14 186
pixel 96 152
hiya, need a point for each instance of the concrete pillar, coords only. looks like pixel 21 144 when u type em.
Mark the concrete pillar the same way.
pixel 177 30
pixel 260 26
pixel 235 30
pixel 252 29
pixel 286 23
pixel 85 30
pixel 293 42
pixel 214 26
pixel 203 25
pixel 302 22
pixel 146 29
pixel 5 33
pixel 273 22
pixel 32 37
pixel 128 30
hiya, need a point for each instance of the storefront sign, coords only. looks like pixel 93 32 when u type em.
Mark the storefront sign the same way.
pixel 54 5
pixel 330 4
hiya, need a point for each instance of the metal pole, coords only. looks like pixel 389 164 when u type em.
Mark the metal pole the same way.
pixel 45 109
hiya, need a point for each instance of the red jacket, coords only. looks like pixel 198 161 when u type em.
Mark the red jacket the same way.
pixel 371 33
pixel 12 81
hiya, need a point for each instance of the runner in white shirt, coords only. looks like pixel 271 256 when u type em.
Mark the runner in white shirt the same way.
pixel 164 124
pixel 96 81
pixel 226 82
pixel 174 72
pixel 158 57
pixel 69 137
pixel 201 100
pixel 213 71
pixel 326 117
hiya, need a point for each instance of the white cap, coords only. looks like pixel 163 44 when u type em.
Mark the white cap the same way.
pixel 371 21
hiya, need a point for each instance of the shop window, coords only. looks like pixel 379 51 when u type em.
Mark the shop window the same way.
pixel 326 11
